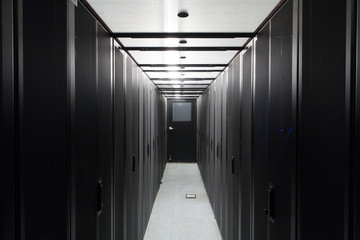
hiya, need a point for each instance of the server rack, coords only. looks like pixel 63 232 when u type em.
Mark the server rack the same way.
pixel 297 99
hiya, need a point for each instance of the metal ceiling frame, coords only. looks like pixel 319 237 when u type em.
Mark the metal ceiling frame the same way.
pixel 182 79
pixel 183 35
pixel 182 71
pixel 204 35
pixel 182 65
pixel 183 48
pixel 181 89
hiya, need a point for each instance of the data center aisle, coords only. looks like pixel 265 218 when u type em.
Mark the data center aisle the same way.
pixel 176 218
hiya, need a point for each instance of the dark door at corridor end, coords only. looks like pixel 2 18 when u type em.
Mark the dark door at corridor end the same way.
pixel 181 131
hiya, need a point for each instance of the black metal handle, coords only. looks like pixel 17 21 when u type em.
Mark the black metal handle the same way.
pixel 271 204
pixel 100 204
pixel 217 150
pixel 233 165
pixel 148 149
pixel 133 162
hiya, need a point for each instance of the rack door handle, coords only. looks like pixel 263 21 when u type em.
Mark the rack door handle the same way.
pixel 100 204
pixel 233 165
pixel 271 209
pixel 133 162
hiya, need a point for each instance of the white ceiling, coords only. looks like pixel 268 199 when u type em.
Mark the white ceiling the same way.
pixel 192 57
pixel 205 16
pixel 188 75
pixel 161 15
pixel 191 42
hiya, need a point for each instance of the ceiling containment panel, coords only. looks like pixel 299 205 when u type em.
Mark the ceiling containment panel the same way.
pixel 181 86
pixel 183 74
pixel 192 57
pixel 183 45
pixel 161 82
pixel 204 15
pixel 181 92
pixel 146 69
pixel 175 42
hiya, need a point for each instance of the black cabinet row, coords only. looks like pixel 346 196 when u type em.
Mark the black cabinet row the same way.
pixel 278 129
pixel 83 129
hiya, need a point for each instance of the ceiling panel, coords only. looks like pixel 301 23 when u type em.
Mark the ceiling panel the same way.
pixel 181 98
pixel 215 31
pixel 182 95
pixel 160 82
pixel 183 74
pixel 174 42
pixel 204 15
pixel 179 86
pixel 192 57
pixel 182 91
pixel 182 68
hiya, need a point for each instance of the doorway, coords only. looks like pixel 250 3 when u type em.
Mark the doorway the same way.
pixel 181 131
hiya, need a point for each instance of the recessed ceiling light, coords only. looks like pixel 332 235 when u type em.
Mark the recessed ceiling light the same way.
pixel 183 41
pixel 183 14
pixel 182 57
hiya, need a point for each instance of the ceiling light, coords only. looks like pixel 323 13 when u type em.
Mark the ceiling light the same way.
pixel 183 41
pixel 183 14
pixel 176 86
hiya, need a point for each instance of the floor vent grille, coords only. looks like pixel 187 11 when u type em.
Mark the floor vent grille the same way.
pixel 190 196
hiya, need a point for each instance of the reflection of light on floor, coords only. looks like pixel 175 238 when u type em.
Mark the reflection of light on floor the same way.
pixel 174 217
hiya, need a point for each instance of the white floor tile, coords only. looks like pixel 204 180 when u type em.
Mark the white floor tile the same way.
pixel 176 218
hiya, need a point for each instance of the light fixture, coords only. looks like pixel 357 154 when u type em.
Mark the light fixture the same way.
pixel 183 14
pixel 183 41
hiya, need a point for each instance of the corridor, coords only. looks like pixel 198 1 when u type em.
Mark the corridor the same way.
pixel 174 217
pixel 111 111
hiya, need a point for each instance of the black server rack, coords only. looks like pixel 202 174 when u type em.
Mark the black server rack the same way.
pixel 8 171
pixel 85 132
pixel 323 121
pixel 105 141
pixel 246 142
pixel 41 119
pixel 119 145
pixel 260 135
pixel 281 125
pixel 75 153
